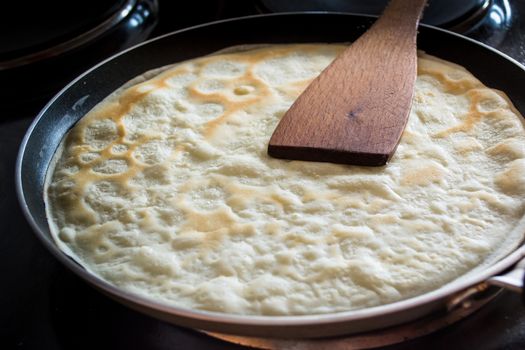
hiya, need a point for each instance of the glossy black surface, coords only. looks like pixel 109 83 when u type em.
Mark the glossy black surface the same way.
pixel 33 83
pixel 437 13
pixel 44 306
pixel 48 23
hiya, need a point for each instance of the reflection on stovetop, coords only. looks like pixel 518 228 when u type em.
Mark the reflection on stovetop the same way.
pixel 44 306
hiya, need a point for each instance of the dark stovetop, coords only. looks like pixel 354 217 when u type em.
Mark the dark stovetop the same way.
pixel 45 306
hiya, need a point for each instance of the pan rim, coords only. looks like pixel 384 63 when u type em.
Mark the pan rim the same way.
pixel 251 320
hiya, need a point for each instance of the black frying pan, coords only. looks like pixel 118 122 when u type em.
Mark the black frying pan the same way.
pixel 493 68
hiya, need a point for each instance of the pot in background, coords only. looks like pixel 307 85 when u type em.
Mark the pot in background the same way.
pixel 444 13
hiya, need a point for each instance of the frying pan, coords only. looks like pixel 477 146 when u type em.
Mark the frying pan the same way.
pixel 68 106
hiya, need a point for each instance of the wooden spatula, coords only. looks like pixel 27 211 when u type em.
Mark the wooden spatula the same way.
pixel 355 111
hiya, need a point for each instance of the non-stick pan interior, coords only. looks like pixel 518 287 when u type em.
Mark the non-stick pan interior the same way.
pixel 41 141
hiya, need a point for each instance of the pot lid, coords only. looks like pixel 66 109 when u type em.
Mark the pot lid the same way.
pixel 41 29
pixel 444 13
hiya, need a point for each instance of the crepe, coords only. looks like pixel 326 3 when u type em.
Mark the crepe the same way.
pixel 165 189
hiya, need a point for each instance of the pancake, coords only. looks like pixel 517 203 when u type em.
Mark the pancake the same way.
pixel 165 189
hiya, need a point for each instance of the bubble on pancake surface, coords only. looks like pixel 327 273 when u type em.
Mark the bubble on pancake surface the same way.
pixel 152 152
pixel 243 90
pixel 147 118
pixel 156 175
pixel 105 198
pixel 288 68
pixel 68 170
pixel 119 148
pixel 100 134
pixel 208 111
pixel 88 157
pixel 178 83
pixel 224 69
pixel 210 86
pixel 206 196
pixel 111 166
pixel 490 101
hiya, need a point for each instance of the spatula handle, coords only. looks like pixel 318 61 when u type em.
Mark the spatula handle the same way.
pixel 406 12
